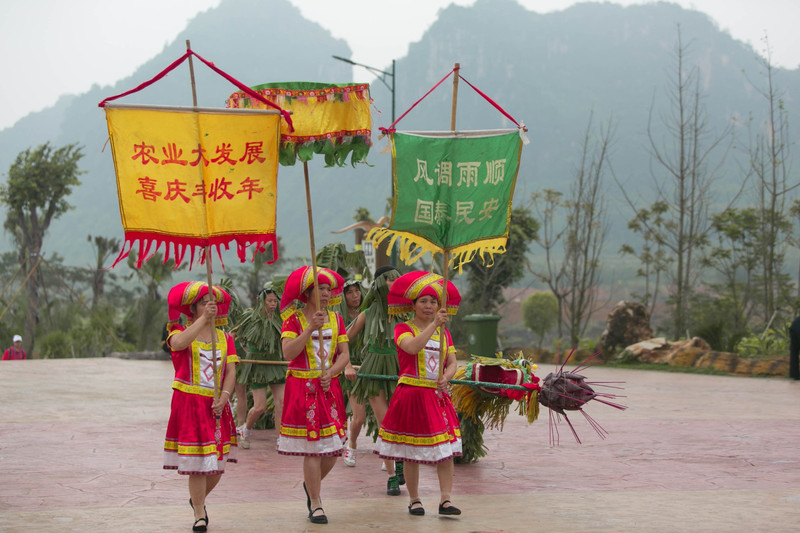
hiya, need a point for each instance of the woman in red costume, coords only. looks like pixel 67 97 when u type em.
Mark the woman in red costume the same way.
pixel 314 421
pixel 201 434
pixel 421 425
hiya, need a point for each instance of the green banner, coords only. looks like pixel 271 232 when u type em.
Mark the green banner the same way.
pixel 454 191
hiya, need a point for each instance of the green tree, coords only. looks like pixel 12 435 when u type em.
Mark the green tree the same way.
pixel 794 240
pixel 103 248
pixel 540 313
pixel 254 275
pixel 336 257
pixel 579 225
pixel 653 256
pixel 770 159
pixel 362 215
pixel 734 254
pixel 147 313
pixel 39 182
pixel 486 280
pixel 683 152
pixel 587 227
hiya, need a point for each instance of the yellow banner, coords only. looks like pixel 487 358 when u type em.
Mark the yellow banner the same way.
pixel 329 119
pixel 195 179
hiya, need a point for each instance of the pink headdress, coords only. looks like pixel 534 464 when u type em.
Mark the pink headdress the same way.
pixel 301 280
pixel 182 296
pixel 411 286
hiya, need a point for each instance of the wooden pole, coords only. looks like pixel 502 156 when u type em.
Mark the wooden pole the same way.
pixel 207 254
pixel 455 97
pixel 446 259
pixel 442 334
pixel 322 354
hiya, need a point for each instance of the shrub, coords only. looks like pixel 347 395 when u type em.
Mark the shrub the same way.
pixel 771 342
pixel 55 345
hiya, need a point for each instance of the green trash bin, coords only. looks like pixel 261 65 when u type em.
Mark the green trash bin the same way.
pixel 482 334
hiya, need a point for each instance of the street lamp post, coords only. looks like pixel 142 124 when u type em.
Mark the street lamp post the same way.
pixel 381 74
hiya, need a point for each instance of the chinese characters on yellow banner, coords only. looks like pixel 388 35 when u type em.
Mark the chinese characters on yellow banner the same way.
pixel 192 180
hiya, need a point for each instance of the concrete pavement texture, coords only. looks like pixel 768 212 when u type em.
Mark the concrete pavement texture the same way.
pixel 81 442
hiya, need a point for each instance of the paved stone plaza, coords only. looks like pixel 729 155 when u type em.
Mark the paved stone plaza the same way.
pixel 81 440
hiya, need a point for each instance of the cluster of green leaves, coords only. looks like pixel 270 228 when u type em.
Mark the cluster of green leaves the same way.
pixel 770 343
pixel 486 281
pixel 473 447
pixel 86 338
pixel 540 313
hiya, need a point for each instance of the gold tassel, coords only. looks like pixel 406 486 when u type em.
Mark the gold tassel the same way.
pixel 533 406
pixel 411 247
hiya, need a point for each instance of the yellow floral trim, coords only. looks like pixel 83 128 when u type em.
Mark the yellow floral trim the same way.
pixel 192 389
pixel 303 374
pixel 412 292
pixel 209 449
pixel 417 382
pixel 303 432
pixel 418 441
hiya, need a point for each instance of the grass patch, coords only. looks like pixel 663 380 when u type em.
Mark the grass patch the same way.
pixel 757 356
pixel 664 367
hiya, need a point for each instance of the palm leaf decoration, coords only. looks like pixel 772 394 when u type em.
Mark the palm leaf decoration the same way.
pixel 336 257
pixel 236 308
pixel 257 331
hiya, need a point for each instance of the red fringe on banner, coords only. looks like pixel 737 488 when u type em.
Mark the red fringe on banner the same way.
pixel 176 247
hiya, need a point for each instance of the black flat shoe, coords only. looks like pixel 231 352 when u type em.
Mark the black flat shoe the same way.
pixel 204 510
pixel 200 527
pixel 416 511
pixel 450 509
pixel 318 519
pixel 308 498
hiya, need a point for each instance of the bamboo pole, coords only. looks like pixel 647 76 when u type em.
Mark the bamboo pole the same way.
pixel 468 382
pixel 456 68
pixel 275 363
pixel 207 254
pixel 442 329
pixel 322 354
pixel 389 377
pixel 446 259
pixel 262 362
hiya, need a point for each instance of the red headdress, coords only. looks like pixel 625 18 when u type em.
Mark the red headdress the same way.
pixel 182 296
pixel 301 280
pixel 411 286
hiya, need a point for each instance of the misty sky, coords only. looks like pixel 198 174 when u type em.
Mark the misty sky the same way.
pixel 54 47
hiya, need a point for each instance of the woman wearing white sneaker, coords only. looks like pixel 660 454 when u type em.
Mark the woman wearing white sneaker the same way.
pixel 351 305
pixel 376 329
pixel 260 331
